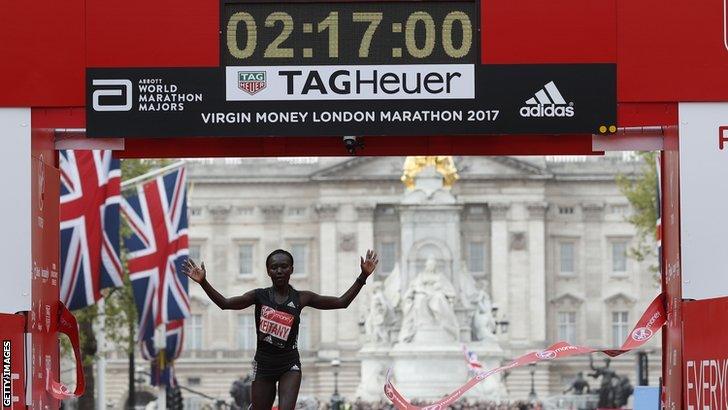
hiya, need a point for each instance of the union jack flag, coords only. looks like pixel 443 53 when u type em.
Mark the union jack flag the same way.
pixel 175 338
pixel 472 358
pixel 157 215
pixel 164 378
pixel 90 183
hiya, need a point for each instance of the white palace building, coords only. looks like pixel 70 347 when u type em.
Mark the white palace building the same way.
pixel 526 251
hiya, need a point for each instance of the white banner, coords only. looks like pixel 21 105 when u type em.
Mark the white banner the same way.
pixel 703 199
pixel 15 214
pixel 353 82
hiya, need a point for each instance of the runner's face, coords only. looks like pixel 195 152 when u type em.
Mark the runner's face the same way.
pixel 280 269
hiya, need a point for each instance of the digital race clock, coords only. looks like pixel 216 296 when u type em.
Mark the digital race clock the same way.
pixel 349 33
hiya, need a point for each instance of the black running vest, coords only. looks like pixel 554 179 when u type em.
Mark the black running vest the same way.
pixel 276 325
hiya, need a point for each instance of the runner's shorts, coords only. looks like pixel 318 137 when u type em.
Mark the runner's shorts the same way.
pixel 274 371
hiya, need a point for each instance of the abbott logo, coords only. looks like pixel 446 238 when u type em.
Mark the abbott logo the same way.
pixel 547 102
pixel 112 88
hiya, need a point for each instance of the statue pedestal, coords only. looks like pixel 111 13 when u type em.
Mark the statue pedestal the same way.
pixel 490 355
pixel 428 371
pixel 375 362
pixel 433 365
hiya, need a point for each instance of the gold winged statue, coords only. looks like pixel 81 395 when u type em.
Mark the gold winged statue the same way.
pixel 444 165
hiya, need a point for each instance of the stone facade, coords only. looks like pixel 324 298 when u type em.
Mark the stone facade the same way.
pixel 549 236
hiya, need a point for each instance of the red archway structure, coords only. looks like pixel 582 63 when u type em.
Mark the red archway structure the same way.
pixel 665 53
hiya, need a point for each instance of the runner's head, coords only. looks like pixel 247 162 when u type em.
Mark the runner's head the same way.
pixel 279 265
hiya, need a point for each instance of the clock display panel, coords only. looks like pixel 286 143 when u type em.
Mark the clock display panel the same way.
pixel 355 33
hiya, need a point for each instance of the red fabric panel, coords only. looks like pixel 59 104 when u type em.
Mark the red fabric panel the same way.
pixel 671 50
pixel 164 33
pixel 42 53
pixel 555 31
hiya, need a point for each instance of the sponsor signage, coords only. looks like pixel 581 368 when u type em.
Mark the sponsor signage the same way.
pixel 367 82
pixel 414 99
pixel 43 366
pixel 251 81
pixel 705 359
pixel 351 68
pixel 641 334
pixel 703 194
pixel 275 323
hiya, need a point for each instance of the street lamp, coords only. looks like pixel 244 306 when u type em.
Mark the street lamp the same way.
pixel 335 398
pixel 532 394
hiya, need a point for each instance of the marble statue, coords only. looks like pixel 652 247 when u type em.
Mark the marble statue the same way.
pixel 392 286
pixel 428 301
pixel 468 286
pixel 484 324
pixel 377 320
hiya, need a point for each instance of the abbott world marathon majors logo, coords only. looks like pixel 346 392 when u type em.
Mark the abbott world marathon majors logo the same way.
pixel 547 103
pixel 112 95
pixel 355 82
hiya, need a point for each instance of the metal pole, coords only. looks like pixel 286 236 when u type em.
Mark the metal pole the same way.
pixel 131 400
pixel 532 393
pixel 152 174
pixel 336 382
pixel 160 343
pixel 335 398
pixel 101 362
pixel 643 377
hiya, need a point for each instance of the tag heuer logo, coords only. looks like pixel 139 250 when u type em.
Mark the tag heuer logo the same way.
pixel 251 81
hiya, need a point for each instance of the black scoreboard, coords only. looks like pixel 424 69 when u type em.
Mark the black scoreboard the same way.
pixel 379 68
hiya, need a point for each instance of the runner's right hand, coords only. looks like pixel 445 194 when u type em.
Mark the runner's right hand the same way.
pixel 196 273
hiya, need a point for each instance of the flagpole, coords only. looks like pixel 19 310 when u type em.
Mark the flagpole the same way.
pixel 101 362
pixel 160 345
pixel 151 174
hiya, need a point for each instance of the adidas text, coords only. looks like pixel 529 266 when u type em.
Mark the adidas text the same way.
pixel 550 111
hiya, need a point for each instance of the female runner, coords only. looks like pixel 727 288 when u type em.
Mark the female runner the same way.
pixel 277 316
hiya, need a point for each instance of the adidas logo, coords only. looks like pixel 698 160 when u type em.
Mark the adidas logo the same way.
pixel 291 304
pixel 547 102
pixel 295 367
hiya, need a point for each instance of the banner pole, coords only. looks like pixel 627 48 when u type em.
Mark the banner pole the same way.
pixel 160 345
pixel 101 363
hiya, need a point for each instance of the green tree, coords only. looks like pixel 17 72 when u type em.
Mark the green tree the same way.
pixel 641 192
pixel 121 314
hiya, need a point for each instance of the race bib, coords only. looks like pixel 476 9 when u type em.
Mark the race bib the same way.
pixel 275 323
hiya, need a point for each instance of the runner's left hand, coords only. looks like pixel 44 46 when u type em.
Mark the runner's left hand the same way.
pixel 370 263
